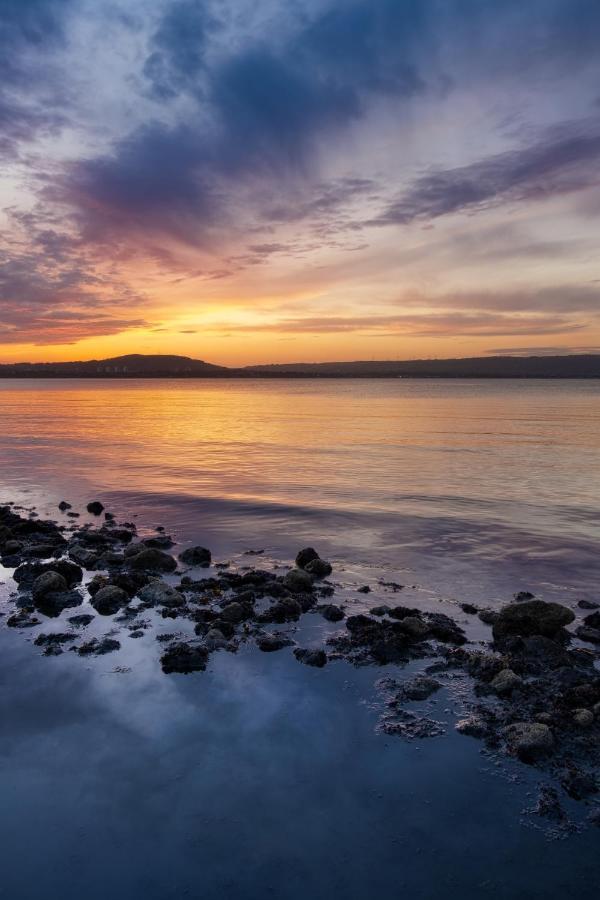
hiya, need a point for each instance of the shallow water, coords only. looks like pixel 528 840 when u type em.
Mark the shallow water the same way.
pixel 260 776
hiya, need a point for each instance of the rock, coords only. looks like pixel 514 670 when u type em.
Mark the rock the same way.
pixel 520 596
pixel 184 658
pixel 505 682
pixel 234 612
pixel 316 658
pixel 530 618
pixel 415 627
pixel 158 593
pixel 152 560
pixel 583 717
pixel 590 635
pixel 488 616
pixel 469 609
pixel 332 613
pixel 419 688
pixel 444 629
pixel 269 643
pixel 95 507
pixel 593 620
pixel 97 647
pixel 588 604
pixel 64 506
pixel 81 621
pixel 305 556
pixel 380 610
pixel 285 610
pixel 473 726
pixel 52 643
pixel 83 555
pixel 298 582
pixel 319 568
pixel 529 740
pixel 109 600
pixel 365 589
pixel 48 582
pixel 24 618
pixel 26 573
pixel 196 556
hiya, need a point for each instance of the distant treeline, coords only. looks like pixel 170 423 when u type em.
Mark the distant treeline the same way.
pixel 140 366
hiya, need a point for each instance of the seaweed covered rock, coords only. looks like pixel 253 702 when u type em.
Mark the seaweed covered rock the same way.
pixel 109 600
pixel 184 658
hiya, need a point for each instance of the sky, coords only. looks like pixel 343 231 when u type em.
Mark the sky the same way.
pixel 253 181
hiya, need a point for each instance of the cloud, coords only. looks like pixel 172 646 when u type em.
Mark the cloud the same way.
pixel 562 161
pixel 456 324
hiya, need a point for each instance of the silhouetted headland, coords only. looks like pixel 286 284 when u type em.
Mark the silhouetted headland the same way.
pixel 142 366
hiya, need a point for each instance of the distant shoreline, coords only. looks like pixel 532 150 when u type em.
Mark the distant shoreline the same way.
pixel 577 366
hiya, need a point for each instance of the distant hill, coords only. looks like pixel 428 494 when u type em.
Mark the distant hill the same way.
pixel 139 366
pixel 135 365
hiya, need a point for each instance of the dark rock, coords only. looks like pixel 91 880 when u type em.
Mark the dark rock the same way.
pixel 473 726
pixel 95 507
pixel 588 604
pixel 445 629
pixel 184 658
pixel 488 616
pixel 380 611
pixel 152 560
pixel 52 643
pixel 305 556
pixel 419 688
pixel 109 600
pixel 158 593
pixel 24 618
pixel 284 610
pixel 318 568
pixel 269 643
pixel 332 613
pixel 316 658
pixel 532 617
pixel 529 740
pixel 46 583
pixel 83 555
pixel 469 609
pixel 298 582
pixel 196 556
pixel 26 574
pixel 505 682
pixel 520 596
pixel 64 506
pixel 81 621
pixel 365 589
pixel 591 635
pixel 97 647
pixel 593 620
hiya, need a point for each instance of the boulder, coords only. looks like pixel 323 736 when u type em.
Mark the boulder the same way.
pixel 305 556
pixel 319 568
pixel 184 658
pixel 298 582
pixel 95 507
pixel 316 658
pixel 269 643
pixel 152 560
pixel 529 740
pixel 332 613
pixel 47 583
pixel 196 556
pixel 109 600
pixel 505 682
pixel 158 593
pixel 532 617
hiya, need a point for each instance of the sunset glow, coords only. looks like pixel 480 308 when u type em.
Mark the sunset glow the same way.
pixel 323 180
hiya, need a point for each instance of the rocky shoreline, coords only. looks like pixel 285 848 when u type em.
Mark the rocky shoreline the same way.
pixel 534 683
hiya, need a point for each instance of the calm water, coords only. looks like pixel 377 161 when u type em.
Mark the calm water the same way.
pixel 261 777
